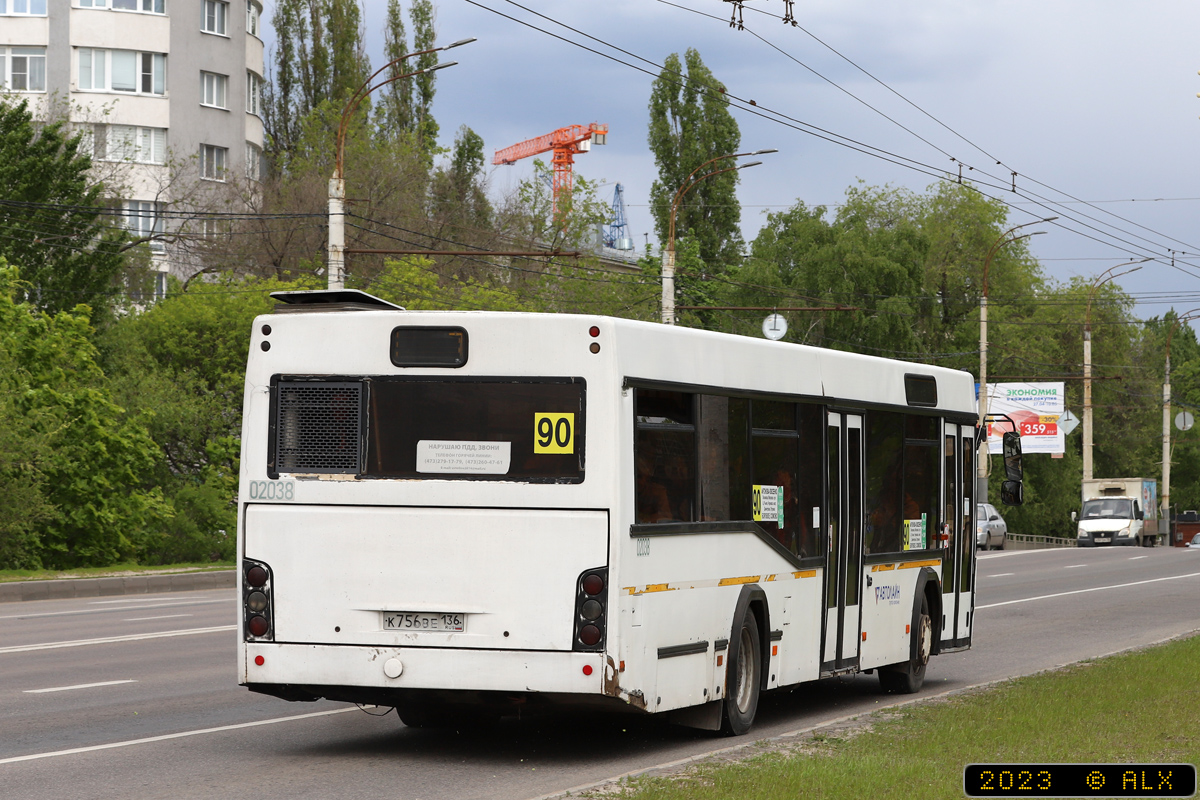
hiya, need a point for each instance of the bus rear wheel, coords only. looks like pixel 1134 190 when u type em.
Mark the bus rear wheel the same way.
pixel 908 677
pixel 743 678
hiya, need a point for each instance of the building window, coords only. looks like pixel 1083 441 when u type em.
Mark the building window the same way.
pixel 135 143
pixel 122 71
pixel 252 13
pixel 31 8
pixel 147 6
pixel 212 162
pixel 254 86
pixel 213 89
pixel 213 16
pixel 141 219
pixel 23 69
pixel 254 162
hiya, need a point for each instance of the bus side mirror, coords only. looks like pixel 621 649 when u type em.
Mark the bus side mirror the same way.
pixel 1012 493
pixel 1139 514
pixel 1013 470
pixel 1074 516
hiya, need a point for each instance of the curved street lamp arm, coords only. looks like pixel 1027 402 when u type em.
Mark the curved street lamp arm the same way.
pixel 687 187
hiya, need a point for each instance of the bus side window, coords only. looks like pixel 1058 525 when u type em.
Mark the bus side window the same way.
pixel 810 491
pixel 665 456
pixel 885 459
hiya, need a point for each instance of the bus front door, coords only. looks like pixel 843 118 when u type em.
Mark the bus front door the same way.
pixel 844 531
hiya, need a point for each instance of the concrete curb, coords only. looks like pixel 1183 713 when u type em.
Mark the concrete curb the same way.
pixel 18 591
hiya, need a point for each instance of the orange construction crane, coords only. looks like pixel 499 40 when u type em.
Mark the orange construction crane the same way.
pixel 565 142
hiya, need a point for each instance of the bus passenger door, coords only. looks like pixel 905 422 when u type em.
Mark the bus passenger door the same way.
pixel 844 531
pixel 958 541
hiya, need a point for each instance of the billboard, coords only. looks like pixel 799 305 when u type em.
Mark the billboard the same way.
pixel 1034 408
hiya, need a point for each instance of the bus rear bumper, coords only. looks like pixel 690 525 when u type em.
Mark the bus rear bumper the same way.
pixel 397 669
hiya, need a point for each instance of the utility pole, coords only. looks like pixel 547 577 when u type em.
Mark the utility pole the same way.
pixel 1101 279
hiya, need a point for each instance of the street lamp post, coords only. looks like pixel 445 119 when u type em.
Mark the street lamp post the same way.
pixel 1166 434
pixel 668 258
pixel 981 466
pixel 335 266
pixel 1101 279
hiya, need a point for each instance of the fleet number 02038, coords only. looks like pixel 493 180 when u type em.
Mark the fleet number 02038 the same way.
pixel 273 490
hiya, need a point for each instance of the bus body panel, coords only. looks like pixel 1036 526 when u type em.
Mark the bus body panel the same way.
pixel 325 665
pixel 888 607
pixel 509 553
pixel 340 575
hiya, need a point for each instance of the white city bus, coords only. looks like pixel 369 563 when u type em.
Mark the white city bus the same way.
pixel 456 513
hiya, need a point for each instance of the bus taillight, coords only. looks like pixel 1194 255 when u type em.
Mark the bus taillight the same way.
pixel 590 599
pixel 256 601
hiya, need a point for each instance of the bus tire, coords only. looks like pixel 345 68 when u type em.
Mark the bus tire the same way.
pixel 743 677
pixel 909 676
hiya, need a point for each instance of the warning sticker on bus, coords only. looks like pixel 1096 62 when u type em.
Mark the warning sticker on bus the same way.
pixel 767 505
pixel 554 433
pixel 486 458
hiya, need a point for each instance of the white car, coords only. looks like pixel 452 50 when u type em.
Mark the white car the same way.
pixel 990 528
pixel 1195 542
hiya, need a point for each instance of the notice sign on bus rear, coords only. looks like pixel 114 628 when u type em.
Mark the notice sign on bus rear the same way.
pixel 488 458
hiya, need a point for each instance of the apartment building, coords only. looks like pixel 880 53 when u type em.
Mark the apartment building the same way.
pixel 167 92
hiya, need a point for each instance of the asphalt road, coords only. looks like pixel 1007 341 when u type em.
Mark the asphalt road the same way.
pixel 153 710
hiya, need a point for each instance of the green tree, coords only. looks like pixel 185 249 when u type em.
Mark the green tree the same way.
pixel 864 261
pixel 690 123
pixel 92 462
pixel 181 365
pixel 458 191
pixel 320 58
pixel 405 106
pixel 54 225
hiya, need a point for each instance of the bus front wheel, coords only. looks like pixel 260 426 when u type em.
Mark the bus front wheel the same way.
pixel 908 676
pixel 743 677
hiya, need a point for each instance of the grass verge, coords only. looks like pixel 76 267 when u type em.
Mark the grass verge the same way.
pixel 1142 706
pixel 8 575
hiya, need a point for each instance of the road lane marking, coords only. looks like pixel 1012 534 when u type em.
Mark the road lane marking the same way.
pixel 1093 589
pixel 133 637
pixel 77 686
pixel 1135 558
pixel 121 608
pixel 165 737
pixel 164 616
pixel 1001 575
pixel 125 600
pixel 1074 566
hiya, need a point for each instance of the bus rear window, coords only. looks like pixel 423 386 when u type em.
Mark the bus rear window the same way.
pixel 476 429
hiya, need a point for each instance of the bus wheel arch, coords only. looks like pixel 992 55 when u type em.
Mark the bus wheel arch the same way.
pixel 747 661
pixel 908 676
pixel 930 586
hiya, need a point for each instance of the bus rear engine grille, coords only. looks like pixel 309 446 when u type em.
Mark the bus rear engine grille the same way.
pixel 319 427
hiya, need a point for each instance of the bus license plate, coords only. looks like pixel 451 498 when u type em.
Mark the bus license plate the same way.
pixel 414 621
pixel 1103 539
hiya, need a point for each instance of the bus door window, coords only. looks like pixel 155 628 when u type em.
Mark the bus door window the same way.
pixel 665 450
pixel 922 482
pixel 967 513
pixel 950 491
pixel 810 491
pixel 885 479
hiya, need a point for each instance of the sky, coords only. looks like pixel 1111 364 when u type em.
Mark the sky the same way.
pixel 1086 100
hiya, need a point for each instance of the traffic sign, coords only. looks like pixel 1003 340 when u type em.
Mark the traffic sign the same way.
pixel 1184 421
pixel 1067 422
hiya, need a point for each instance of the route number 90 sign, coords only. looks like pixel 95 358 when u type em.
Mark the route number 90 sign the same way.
pixel 553 433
